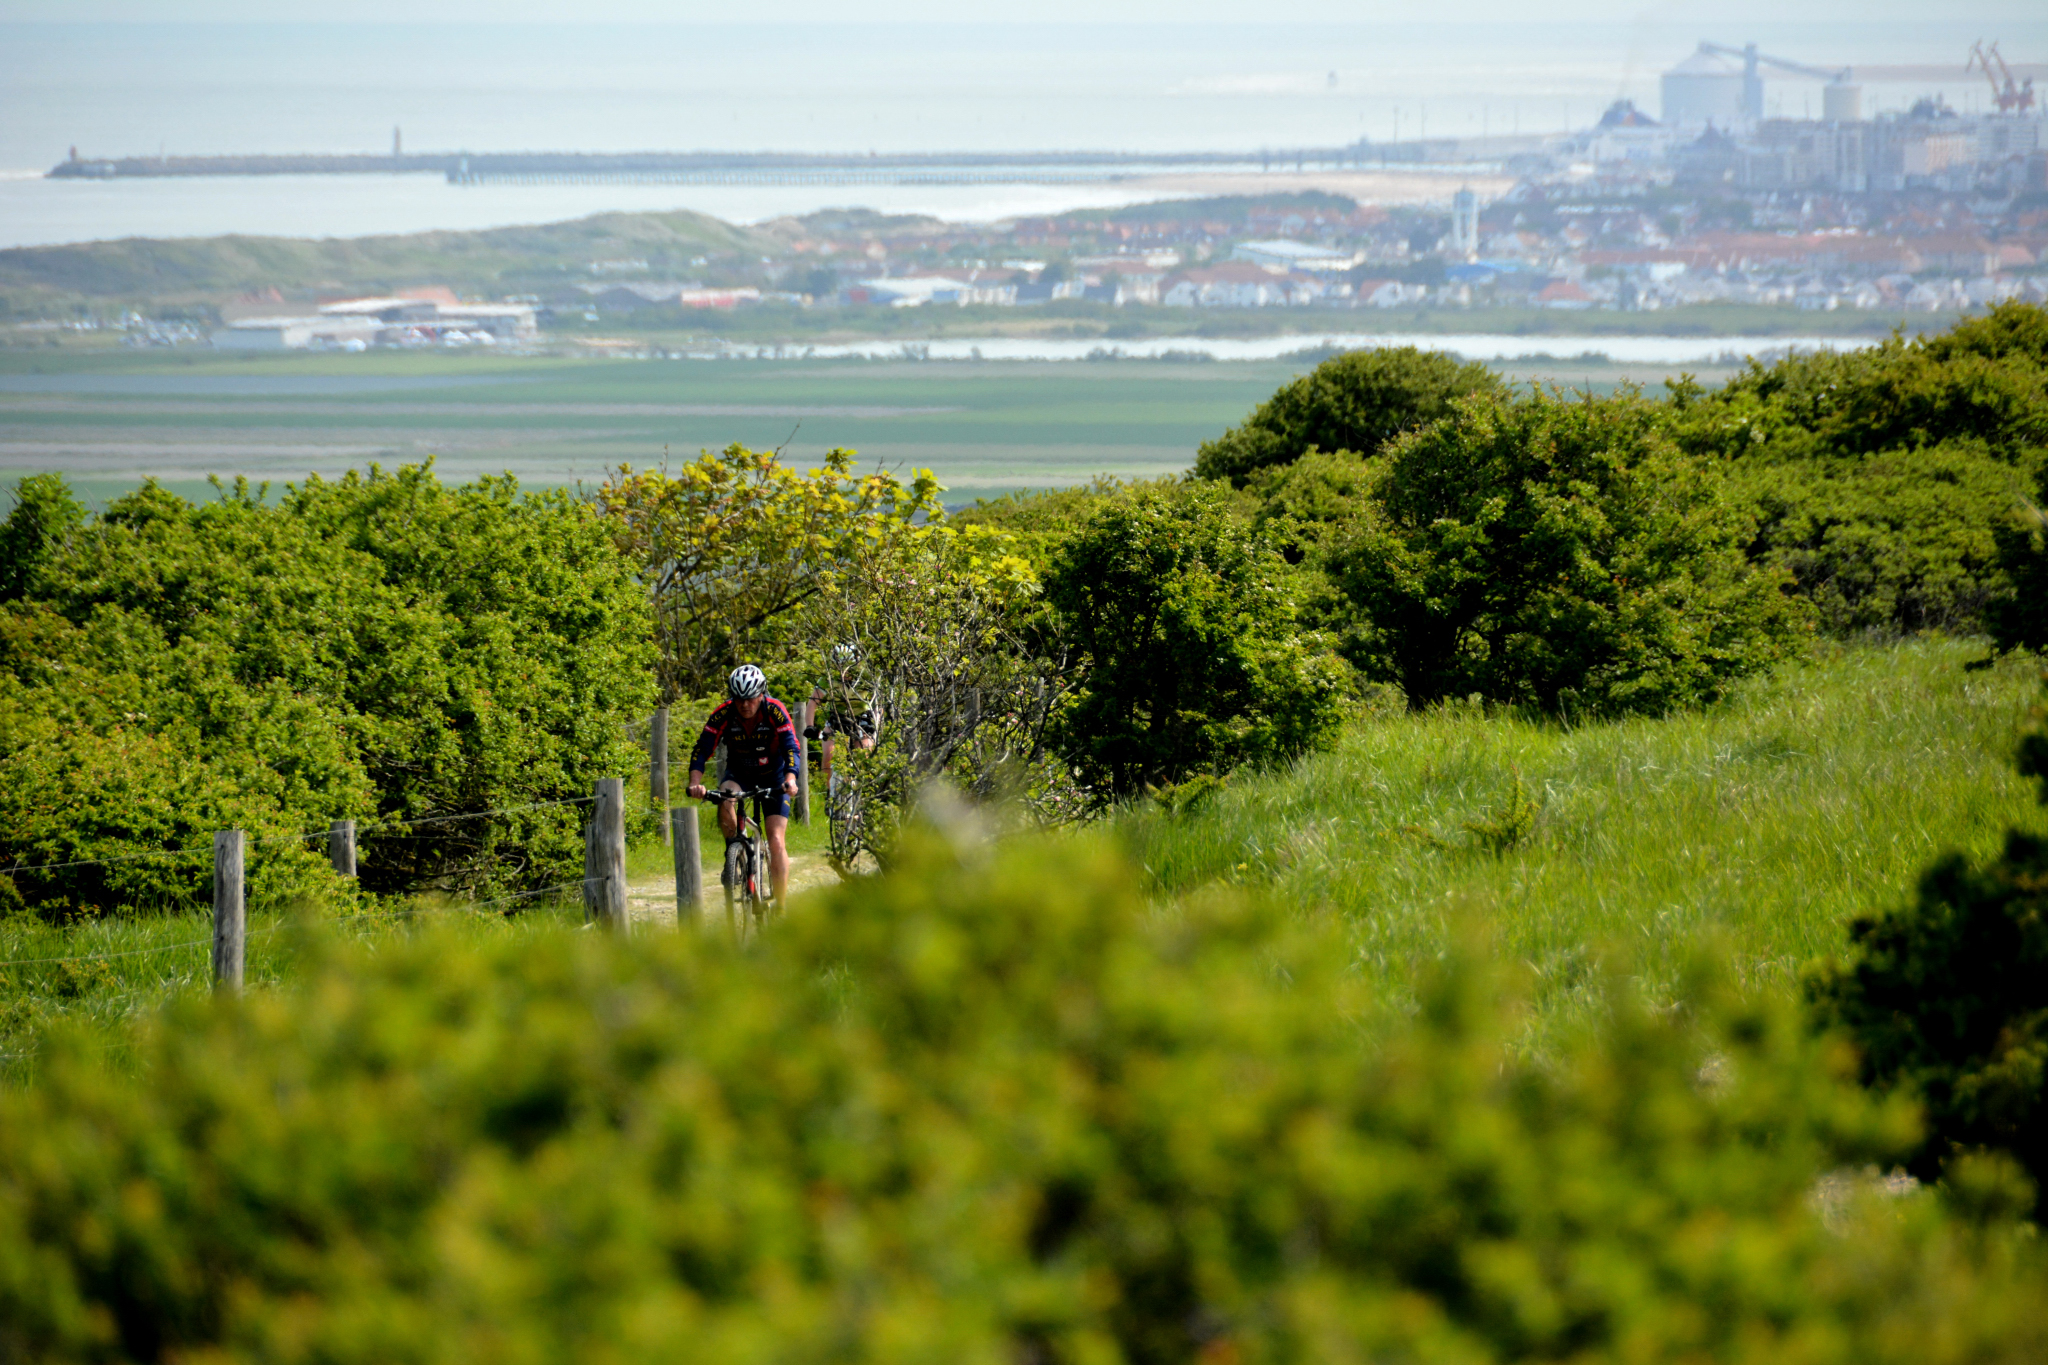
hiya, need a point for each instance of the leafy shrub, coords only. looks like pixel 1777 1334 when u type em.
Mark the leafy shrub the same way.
pixel 1357 401
pixel 381 648
pixel 984 1110
pixel 1182 618
pixel 1883 477
pixel 1948 998
pixel 43 518
pixel 957 663
pixel 733 543
pixel 1313 501
pixel 2016 617
pixel 1558 554
pixel 1898 540
pixel 1038 519
pixel 1985 382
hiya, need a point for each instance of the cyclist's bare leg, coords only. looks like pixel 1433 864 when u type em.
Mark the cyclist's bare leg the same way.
pixel 778 855
pixel 729 812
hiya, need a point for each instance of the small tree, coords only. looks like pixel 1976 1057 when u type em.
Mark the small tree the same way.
pixel 956 658
pixel 733 542
pixel 1183 619
pixel 1558 554
pixel 1358 402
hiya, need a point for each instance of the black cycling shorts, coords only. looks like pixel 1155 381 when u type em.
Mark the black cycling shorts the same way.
pixel 776 803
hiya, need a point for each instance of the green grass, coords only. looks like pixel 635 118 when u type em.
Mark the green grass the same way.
pixel 1761 825
pixel 92 978
pixel 1757 827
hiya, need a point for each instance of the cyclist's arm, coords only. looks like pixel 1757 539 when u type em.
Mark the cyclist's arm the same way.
pixel 785 742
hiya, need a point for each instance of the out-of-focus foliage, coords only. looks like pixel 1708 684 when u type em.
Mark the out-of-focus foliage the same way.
pixel 1564 555
pixel 1883 477
pixel 957 661
pixel 983 1110
pixel 1357 401
pixel 1182 618
pixel 381 648
pixel 733 542
pixel 1948 997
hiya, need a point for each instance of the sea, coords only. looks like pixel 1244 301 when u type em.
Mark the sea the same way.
pixel 136 89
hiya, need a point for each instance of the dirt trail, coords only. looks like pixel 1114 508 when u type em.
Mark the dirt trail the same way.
pixel 652 900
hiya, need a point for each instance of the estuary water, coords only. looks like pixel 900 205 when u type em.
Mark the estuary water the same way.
pixel 213 89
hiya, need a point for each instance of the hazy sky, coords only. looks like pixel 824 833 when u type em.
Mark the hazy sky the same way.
pixel 1718 13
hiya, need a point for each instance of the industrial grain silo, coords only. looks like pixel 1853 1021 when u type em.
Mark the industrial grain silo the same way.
pixel 1705 88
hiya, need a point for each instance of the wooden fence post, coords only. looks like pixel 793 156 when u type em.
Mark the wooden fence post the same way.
pixel 807 713
pixel 657 764
pixel 341 847
pixel 230 924
pixel 604 856
pixel 689 864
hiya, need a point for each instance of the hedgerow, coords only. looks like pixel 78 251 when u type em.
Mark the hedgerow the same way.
pixel 380 648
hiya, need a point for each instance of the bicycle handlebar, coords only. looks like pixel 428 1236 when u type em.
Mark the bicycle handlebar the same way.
pixel 720 794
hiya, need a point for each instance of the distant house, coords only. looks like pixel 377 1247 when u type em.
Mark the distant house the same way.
pixel 1281 254
pixel 631 298
pixel 298 334
pixel 1386 294
pixel 432 313
pixel 1233 284
pixel 1564 294
pixel 1223 286
pixel 910 291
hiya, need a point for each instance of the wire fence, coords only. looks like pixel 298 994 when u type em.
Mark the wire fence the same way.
pixel 380 827
pixel 275 840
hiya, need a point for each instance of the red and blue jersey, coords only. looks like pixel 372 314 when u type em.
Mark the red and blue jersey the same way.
pixel 759 753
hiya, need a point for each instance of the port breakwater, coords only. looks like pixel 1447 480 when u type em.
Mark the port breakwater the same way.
pixel 768 168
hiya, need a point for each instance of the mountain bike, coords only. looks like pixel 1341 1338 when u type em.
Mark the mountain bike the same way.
pixel 748 899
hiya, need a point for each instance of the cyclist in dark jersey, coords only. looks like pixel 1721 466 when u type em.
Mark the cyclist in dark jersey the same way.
pixel 860 728
pixel 760 751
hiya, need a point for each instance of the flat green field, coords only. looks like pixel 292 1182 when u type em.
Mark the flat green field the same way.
pixel 108 418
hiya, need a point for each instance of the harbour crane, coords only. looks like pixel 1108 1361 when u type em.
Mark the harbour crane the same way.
pixel 2010 96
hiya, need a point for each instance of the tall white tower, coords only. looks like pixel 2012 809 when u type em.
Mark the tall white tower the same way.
pixel 1465 225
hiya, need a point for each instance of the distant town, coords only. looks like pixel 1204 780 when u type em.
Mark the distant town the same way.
pixel 1918 209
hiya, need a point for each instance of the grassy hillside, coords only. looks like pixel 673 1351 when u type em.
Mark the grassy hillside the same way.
pixel 1762 824
pixel 1816 793
pixel 497 261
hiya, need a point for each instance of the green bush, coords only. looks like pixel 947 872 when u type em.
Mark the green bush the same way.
pixel 1986 382
pixel 43 518
pixel 2016 617
pixel 1182 618
pixel 1900 540
pixel 984 1110
pixel 1884 477
pixel 381 648
pixel 1357 401
pixel 1947 998
pixel 1557 554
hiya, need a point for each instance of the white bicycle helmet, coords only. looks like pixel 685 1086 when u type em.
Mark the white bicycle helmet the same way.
pixel 746 681
pixel 846 656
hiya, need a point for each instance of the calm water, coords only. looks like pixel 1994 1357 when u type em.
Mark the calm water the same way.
pixel 115 90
